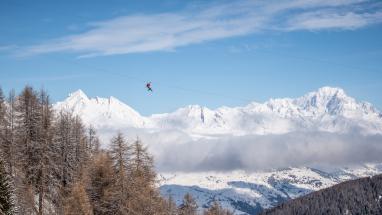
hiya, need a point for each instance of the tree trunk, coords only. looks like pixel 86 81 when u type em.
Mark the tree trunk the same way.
pixel 40 199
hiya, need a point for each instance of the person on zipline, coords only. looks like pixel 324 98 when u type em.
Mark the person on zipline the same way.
pixel 148 86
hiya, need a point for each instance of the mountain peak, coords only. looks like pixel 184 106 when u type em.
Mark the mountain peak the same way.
pixel 331 91
pixel 112 99
pixel 78 94
pixel 331 100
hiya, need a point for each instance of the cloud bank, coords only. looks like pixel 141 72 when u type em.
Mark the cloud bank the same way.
pixel 206 22
pixel 176 151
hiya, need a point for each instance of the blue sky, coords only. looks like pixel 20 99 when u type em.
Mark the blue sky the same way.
pixel 211 53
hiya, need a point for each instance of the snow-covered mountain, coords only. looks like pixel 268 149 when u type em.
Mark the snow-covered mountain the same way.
pixel 101 112
pixel 328 109
pixel 249 193
pixel 325 112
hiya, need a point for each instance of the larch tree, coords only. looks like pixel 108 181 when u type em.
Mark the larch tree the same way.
pixel 142 165
pixel 10 132
pixel 145 196
pixel 188 206
pixel 46 156
pixel 3 142
pixel 81 153
pixel 7 116
pixel 217 209
pixel 93 143
pixel 28 116
pixel 72 153
pixel 56 166
pixel 65 144
pixel 101 183
pixel 35 145
pixel 7 206
pixel 169 206
pixel 77 202
pixel 120 153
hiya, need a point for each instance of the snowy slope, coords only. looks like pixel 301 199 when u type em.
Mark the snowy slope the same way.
pixel 249 193
pixel 328 109
pixel 101 112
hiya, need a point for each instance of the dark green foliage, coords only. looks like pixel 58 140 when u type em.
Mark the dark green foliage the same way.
pixel 360 196
pixel 6 199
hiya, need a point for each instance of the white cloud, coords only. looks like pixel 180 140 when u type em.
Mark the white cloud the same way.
pixel 200 23
pixel 332 20
pixel 265 152
pixel 174 150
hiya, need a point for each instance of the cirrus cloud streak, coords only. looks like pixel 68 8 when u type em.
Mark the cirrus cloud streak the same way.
pixel 200 23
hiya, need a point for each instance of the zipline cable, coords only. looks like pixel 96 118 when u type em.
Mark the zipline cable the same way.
pixel 159 83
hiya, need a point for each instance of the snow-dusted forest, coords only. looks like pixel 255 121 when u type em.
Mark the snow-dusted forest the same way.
pixel 52 164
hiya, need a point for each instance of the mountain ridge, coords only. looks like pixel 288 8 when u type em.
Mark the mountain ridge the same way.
pixel 327 109
pixel 359 196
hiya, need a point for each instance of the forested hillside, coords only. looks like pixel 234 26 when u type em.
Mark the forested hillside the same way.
pixel 51 163
pixel 360 196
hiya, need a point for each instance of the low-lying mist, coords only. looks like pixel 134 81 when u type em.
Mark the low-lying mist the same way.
pixel 176 151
